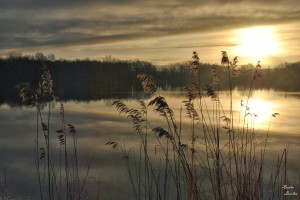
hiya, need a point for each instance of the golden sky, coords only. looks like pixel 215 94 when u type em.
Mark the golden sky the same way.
pixel 161 32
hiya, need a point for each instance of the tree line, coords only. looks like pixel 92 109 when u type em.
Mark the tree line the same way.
pixel 113 78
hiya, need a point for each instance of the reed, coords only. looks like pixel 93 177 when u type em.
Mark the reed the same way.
pixel 215 158
pixel 208 165
pixel 60 181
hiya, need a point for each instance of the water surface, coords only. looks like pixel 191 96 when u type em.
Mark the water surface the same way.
pixel 97 122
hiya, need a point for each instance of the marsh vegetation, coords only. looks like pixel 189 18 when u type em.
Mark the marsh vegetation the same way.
pixel 202 142
pixel 216 158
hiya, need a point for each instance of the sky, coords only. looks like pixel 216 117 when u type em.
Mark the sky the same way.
pixel 161 32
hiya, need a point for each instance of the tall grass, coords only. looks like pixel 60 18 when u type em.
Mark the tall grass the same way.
pixel 56 181
pixel 221 159
pixel 216 157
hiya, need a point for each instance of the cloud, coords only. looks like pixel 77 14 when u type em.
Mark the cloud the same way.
pixel 61 24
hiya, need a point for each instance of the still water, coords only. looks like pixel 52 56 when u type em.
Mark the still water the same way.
pixel 97 122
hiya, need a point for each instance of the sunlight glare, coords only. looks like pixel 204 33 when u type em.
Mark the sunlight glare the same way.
pixel 258 42
pixel 262 109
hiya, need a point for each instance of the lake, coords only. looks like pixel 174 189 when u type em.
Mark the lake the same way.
pixel 98 122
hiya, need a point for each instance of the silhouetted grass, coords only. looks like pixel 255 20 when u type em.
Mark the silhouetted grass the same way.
pixel 215 158
pixel 55 182
pixel 222 158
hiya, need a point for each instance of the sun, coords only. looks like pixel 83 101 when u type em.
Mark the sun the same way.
pixel 258 42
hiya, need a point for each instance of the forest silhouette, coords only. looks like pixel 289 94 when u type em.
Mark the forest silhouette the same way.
pixel 85 80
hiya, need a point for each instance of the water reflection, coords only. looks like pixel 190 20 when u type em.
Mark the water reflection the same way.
pixel 263 103
pixel 98 122
pixel 261 109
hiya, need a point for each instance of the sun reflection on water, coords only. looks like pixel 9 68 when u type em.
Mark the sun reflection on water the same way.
pixel 261 110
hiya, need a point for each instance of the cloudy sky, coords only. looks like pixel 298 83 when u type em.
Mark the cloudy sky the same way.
pixel 158 31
